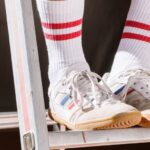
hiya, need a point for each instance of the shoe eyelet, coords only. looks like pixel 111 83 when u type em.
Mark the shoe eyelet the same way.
pixel 142 88
pixel 92 99
pixel 63 83
pixel 134 83
pixel 85 96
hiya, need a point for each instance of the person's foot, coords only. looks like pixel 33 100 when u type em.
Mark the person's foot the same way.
pixel 79 102
pixel 133 87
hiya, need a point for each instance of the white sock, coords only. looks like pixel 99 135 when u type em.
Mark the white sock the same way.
pixel 62 26
pixel 134 48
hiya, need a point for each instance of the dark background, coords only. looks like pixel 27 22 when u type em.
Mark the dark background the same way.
pixel 102 28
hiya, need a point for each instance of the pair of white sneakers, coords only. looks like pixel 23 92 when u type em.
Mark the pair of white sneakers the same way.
pixel 83 100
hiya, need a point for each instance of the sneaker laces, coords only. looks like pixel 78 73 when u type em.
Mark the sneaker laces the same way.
pixel 85 86
pixel 131 75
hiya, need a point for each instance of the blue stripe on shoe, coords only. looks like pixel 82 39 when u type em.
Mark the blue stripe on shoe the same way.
pixel 65 99
pixel 119 90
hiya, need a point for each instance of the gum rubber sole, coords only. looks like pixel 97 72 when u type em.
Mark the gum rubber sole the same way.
pixel 122 120
pixel 145 122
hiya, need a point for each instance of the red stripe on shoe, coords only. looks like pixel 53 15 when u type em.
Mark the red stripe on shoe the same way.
pixel 62 25
pixel 128 35
pixel 62 37
pixel 72 105
pixel 136 24
pixel 130 91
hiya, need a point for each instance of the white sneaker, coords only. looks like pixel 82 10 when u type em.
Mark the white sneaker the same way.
pixel 133 87
pixel 79 102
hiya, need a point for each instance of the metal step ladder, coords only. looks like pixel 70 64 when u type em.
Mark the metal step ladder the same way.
pixel 74 139
pixel 30 103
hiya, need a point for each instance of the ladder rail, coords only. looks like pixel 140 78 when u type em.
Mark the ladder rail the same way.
pixel 27 77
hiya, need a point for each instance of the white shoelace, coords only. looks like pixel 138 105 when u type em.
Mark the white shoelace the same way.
pixel 131 75
pixel 85 85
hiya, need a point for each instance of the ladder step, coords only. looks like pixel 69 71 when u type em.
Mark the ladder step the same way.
pixel 76 139
pixel 9 120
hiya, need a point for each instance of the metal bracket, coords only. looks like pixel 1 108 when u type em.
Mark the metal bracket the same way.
pixel 29 142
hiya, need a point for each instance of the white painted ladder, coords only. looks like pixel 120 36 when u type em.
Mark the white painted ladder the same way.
pixel 30 103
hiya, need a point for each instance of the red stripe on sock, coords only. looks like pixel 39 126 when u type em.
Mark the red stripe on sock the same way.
pixel 63 36
pixel 136 24
pixel 62 25
pixel 135 36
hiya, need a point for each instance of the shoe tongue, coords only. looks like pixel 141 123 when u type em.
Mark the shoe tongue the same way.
pixel 84 85
pixel 69 73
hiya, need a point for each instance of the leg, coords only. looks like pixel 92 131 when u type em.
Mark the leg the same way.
pixel 130 73
pixel 76 97
pixel 62 26
pixel 134 48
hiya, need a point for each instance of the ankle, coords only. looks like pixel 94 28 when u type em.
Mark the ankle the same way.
pixel 57 73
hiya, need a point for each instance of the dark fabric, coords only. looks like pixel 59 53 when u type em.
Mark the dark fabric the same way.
pixel 103 25
pixel 7 95
pixel 102 28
